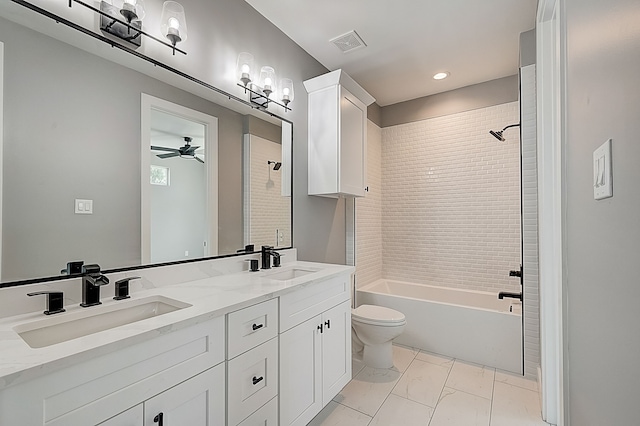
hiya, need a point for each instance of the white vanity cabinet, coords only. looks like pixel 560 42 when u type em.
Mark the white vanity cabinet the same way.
pixel 315 348
pixel 252 367
pixel 171 373
pixel 337 135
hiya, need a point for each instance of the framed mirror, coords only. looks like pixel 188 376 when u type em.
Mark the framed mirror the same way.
pixel 74 136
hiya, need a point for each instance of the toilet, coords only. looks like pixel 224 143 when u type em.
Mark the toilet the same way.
pixel 373 330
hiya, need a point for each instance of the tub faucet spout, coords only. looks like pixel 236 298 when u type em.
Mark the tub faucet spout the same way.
pixel 504 294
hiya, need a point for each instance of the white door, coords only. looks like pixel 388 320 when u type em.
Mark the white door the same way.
pixel 353 149
pixel 198 401
pixel 300 373
pixel 336 350
pixel 131 417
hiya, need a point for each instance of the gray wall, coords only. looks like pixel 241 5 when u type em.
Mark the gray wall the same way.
pixel 489 93
pixel 602 238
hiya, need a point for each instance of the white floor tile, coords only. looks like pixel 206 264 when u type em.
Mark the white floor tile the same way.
pixel 471 378
pixel 516 380
pixel 368 390
pixel 457 408
pixel 397 411
pixel 335 414
pixel 402 357
pixel 435 359
pixel 422 382
pixel 513 405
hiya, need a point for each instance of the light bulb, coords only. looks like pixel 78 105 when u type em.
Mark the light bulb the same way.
pixel 174 23
pixel 245 69
pixel 267 83
pixel 131 2
pixel 285 91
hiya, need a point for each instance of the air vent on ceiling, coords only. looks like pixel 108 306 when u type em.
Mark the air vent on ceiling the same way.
pixel 348 42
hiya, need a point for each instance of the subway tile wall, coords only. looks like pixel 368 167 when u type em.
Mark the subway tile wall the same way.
pixel 450 202
pixel 530 221
pixel 267 213
pixel 369 214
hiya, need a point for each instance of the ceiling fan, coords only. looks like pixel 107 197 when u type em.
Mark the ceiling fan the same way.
pixel 186 151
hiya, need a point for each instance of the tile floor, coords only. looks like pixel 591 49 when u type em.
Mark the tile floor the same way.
pixel 431 390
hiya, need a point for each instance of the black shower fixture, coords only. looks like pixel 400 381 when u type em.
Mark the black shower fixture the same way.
pixel 498 134
pixel 276 164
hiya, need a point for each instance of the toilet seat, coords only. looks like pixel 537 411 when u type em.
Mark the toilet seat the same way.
pixel 378 315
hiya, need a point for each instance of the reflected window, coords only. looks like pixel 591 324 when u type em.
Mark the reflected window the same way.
pixel 159 175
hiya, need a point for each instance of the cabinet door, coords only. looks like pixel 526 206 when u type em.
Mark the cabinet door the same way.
pixel 336 350
pixel 197 401
pixel 353 148
pixel 300 373
pixel 131 417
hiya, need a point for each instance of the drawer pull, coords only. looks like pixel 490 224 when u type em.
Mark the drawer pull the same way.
pixel 320 328
pixel 257 326
pixel 158 419
pixel 328 323
pixel 257 380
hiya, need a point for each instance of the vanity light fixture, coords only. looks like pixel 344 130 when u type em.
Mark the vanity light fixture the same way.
pixel 173 23
pixel 265 90
pixel 441 76
pixel 123 19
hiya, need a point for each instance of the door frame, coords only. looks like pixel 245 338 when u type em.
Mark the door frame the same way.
pixel 210 124
pixel 1 141
pixel 550 92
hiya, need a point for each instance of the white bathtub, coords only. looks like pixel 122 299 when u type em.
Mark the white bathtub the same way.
pixel 470 325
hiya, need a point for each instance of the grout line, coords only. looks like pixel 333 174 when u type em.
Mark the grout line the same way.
pixel 493 391
pixel 442 390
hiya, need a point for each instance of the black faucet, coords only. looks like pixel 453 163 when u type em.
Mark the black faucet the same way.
pixel 504 294
pixel 92 279
pixel 267 252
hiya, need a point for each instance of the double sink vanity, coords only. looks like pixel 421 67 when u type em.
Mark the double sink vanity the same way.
pixel 233 348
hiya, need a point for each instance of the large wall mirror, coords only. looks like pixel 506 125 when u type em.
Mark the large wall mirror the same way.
pixel 89 172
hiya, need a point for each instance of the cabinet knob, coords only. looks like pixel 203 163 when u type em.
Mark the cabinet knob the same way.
pixel 257 326
pixel 257 380
pixel 158 419
pixel 366 189
pixel 320 328
pixel 328 323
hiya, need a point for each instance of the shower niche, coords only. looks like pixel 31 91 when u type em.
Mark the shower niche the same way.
pixel 337 135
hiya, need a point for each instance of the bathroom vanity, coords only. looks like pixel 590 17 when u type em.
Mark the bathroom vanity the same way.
pixel 245 348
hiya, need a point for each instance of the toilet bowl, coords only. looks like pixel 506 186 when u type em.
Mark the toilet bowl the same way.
pixel 373 330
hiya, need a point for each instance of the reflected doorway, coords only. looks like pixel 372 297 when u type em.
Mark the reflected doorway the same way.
pixel 179 182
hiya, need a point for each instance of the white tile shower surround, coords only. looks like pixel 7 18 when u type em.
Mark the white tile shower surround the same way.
pixel 431 390
pixel 451 200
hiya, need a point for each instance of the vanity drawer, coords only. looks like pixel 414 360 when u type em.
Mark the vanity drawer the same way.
pixel 267 415
pixel 252 326
pixel 306 302
pixel 252 381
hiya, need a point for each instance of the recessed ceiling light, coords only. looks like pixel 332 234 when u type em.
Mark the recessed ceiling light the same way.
pixel 441 75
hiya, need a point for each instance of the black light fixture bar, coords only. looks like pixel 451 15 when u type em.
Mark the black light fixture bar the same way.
pixel 127 24
pixel 73 25
pixel 261 100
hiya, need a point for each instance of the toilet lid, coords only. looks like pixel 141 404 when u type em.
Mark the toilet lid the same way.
pixel 377 314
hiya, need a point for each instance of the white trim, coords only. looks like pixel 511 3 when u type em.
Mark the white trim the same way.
pixel 549 92
pixel 1 141
pixel 211 161
pixel 246 176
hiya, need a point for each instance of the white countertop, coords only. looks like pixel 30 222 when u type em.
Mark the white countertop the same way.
pixel 210 297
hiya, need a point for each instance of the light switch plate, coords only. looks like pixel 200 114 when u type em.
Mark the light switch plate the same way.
pixel 602 173
pixel 84 206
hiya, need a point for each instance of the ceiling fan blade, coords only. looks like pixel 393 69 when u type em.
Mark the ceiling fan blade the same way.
pixel 173 154
pixel 199 159
pixel 162 148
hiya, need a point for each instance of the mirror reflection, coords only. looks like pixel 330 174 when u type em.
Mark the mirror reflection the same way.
pixel 74 129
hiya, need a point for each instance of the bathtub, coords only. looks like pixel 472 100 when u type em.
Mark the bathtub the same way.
pixel 470 325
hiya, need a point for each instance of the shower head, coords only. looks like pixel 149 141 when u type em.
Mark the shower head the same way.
pixel 276 164
pixel 498 134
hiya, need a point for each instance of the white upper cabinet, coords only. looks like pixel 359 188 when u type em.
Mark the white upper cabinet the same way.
pixel 337 135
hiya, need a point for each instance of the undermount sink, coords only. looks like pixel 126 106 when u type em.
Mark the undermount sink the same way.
pixel 290 274
pixel 52 330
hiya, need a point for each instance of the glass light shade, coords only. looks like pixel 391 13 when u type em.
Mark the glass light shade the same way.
pixel 286 90
pixel 244 68
pixel 173 23
pixel 267 80
pixel 132 10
